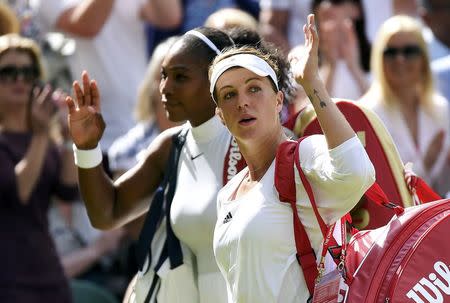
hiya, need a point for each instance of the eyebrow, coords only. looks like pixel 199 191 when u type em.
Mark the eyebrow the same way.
pixel 246 81
pixel 176 67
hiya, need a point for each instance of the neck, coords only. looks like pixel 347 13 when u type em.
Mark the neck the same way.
pixel 260 155
pixel 409 98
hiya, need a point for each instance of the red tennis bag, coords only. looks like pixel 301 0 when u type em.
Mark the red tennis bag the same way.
pixel 382 152
pixel 405 261
pixel 408 260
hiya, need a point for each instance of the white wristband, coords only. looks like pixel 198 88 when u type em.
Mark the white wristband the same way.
pixel 87 158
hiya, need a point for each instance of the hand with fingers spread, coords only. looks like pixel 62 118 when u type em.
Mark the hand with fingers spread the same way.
pixel 85 121
pixel 43 109
pixel 304 64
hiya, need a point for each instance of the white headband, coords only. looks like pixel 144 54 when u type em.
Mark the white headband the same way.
pixel 204 39
pixel 248 61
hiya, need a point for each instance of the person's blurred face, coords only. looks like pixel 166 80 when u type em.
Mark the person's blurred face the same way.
pixel 17 77
pixel 247 103
pixel 403 61
pixel 184 87
pixel 438 19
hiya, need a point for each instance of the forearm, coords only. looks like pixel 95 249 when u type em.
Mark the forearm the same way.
pixel 99 196
pixel 328 71
pixel 87 18
pixel 78 262
pixel 29 169
pixel 333 123
pixel 163 13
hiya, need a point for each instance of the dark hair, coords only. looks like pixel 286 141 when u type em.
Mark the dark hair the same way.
pixel 273 57
pixel 200 49
pixel 244 36
pixel 360 29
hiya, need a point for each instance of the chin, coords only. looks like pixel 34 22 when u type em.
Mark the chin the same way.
pixel 175 117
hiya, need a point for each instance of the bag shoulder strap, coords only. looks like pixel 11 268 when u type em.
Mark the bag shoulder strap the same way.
pixel 285 185
pixel 156 210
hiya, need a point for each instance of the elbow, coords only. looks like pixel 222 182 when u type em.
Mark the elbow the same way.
pixel 102 223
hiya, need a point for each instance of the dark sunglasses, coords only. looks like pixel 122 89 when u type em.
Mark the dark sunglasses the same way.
pixel 10 73
pixel 408 52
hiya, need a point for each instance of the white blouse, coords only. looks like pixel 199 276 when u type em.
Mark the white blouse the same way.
pixel 254 238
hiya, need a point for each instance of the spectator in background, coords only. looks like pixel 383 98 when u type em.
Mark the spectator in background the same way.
pixel 436 15
pixel 9 23
pixel 344 47
pixel 280 21
pixel 33 170
pixel 188 14
pixel 110 43
pixel 129 149
pixel 404 98
pixel 85 252
pixel 229 18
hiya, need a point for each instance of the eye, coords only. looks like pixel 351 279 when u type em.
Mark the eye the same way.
pixel 228 95
pixel 254 89
pixel 180 77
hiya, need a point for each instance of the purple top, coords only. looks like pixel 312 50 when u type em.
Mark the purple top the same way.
pixel 29 261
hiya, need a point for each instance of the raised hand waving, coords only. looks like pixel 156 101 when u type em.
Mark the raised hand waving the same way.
pixel 85 121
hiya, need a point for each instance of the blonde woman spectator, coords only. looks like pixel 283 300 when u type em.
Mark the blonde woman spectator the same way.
pixel 33 171
pixel 227 18
pixel 404 98
pixel 127 150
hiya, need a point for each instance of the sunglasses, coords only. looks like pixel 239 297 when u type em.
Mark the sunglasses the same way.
pixel 10 73
pixel 408 52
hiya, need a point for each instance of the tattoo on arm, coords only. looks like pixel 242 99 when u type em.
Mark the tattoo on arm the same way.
pixel 321 102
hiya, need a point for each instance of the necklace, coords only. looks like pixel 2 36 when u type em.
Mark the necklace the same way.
pixel 263 168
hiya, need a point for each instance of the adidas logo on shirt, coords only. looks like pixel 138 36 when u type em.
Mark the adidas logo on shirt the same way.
pixel 227 218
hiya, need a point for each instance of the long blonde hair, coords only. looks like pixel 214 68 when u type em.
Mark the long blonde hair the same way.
pixel 144 109
pixel 392 26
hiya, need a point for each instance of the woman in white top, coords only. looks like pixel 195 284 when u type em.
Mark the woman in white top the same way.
pixel 185 96
pixel 254 238
pixel 406 101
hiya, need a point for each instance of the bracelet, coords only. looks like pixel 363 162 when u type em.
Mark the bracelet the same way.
pixel 87 158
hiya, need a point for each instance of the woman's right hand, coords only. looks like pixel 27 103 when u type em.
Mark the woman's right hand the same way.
pixel 85 121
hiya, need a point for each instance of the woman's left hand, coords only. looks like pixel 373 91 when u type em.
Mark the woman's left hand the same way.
pixel 43 109
pixel 304 64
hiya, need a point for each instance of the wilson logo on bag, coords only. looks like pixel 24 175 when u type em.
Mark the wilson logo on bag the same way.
pixel 405 261
pixel 408 260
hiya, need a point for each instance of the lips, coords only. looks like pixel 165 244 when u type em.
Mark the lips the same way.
pixel 246 120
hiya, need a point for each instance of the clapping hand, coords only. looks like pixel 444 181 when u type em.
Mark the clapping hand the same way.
pixel 43 109
pixel 85 121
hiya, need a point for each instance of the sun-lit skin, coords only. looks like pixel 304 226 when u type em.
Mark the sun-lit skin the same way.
pixel 401 73
pixel 18 92
pixel 248 105
pixel 183 87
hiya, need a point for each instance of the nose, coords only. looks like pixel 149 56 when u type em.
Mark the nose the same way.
pixel 242 101
pixel 165 86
